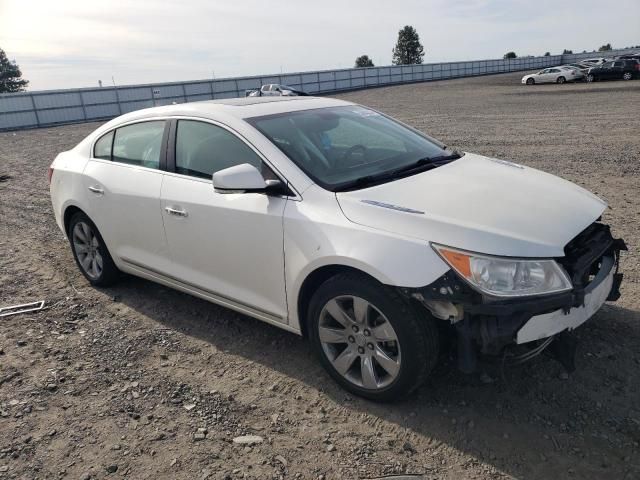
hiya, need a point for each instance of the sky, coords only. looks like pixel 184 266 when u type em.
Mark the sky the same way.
pixel 75 43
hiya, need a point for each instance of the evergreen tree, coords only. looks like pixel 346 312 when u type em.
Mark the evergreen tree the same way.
pixel 10 75
pixel 364 61
pixel 408 49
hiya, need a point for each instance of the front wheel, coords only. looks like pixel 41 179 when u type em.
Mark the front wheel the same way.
pixel 561 80
pixel 530 81
pixel 627 76
pixel 370 339
pixel 591 78
pixel 90 252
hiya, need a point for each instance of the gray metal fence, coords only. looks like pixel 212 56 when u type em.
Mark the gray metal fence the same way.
pixel 57 107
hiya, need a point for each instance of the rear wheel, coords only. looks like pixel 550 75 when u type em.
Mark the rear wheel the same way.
pixel 591 78
pixel 90 252
pixel 627 76
pixel 370 339
pixel 530 81
pixel 561 80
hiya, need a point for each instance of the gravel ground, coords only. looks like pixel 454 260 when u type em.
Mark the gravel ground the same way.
pixel 140 381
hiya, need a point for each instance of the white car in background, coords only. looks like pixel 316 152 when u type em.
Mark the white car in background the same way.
pixel 334 221
pixel 275 90
pixel 554 75
pixel 594 62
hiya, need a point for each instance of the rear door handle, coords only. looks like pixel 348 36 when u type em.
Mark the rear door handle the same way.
pixel 97 190
pixel 176 212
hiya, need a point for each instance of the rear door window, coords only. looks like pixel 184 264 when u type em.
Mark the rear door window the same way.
pixel 139 144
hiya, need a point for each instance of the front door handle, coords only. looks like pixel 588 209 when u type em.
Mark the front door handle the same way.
pixel 97 190
pixel 176 212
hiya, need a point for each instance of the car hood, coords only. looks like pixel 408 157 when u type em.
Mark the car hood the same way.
pixel 531 75
pixel 480 204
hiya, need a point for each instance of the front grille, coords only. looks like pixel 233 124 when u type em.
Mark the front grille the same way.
pixel 583 254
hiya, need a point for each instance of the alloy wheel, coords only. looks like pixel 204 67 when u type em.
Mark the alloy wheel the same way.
pixel 627 76
pixel 86 246
pixel 360 342
pixel 590 78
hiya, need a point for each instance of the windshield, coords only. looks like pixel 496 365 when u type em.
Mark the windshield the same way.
pixel 350 146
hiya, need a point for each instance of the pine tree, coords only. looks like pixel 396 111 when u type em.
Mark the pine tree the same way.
pixel 408 49
pixel 364 61
pixel 10 75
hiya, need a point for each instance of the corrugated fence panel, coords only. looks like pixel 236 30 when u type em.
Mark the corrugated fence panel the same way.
pixel 15 103
pixel 61 115
pixel 105 110
pixel 99 96
pixel 57 107
pixel 56 100
pixel 18 120
pixel 198 88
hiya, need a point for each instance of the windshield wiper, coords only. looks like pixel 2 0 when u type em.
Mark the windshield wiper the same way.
pixel 431 161
pixel 426 163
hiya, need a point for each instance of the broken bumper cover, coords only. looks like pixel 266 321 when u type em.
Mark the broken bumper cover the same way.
pixel 552 323
pixel 591 260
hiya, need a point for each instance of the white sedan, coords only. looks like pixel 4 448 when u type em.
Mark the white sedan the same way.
pixel 554 75
pixel 334 221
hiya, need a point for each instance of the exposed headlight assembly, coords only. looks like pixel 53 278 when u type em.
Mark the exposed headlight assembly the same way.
pixel 506 276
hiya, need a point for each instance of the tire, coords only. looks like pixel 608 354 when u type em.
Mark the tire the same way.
pixel 627 76
pixel 90 252
pixel 389 329
pixel 530 81
pixel 561 80
pixel 591 78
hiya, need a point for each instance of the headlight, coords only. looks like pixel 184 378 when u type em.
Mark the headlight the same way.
pixel 504 276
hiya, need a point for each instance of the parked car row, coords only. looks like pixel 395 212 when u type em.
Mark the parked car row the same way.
pixel 623 67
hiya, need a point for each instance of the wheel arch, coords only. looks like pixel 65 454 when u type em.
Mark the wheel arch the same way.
pixel 311 283
pixel 70 211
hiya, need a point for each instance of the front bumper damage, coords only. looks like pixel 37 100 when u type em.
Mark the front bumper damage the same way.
pixel 488 324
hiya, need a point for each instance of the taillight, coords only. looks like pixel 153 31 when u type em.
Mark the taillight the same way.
pixel 50 174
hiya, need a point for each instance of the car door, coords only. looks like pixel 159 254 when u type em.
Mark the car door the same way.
pixel 605 71
pixel 617 70
pixel 122 180
pixel 543 76
pixel 553 75
pixel 268 91
pixel 227 245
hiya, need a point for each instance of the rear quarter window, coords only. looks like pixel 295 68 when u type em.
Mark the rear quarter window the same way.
pixel 102 148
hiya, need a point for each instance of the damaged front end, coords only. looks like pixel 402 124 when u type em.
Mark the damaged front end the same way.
pixel 488 324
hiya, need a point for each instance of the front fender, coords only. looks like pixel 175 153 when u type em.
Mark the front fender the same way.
pixel 317 234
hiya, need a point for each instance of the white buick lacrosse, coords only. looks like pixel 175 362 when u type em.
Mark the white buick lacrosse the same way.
pixel 339 223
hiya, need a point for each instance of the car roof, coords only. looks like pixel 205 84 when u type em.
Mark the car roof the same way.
pixel 237 108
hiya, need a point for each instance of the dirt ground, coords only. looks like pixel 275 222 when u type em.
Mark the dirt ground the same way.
pixel 116 383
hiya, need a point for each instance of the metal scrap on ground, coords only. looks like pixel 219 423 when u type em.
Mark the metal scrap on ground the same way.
pixel 25 307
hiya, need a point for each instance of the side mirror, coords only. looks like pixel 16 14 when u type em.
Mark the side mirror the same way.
pixel 245 178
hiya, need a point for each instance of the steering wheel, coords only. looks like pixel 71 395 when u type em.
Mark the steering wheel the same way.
pixel 352 150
